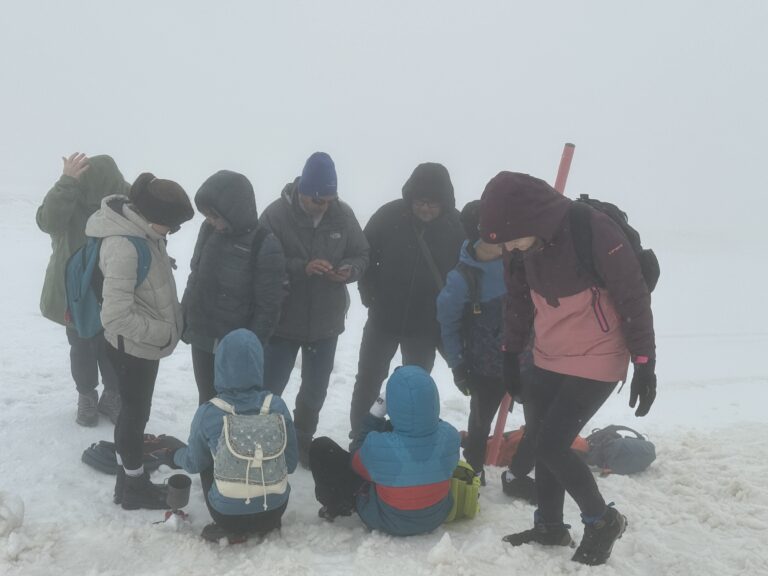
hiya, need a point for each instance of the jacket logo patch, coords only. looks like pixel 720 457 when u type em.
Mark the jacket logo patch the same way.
pixel 335 235
pixel 612 251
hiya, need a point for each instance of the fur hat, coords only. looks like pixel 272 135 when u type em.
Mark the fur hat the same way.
pixel 318 179
pixel 161 201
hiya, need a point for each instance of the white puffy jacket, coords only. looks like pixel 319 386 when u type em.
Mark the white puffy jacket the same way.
pixel 146 320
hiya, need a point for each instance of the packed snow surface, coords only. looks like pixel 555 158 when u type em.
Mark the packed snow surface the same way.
pixel 701 508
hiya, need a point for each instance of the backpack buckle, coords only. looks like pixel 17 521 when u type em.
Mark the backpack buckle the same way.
pixel 476 310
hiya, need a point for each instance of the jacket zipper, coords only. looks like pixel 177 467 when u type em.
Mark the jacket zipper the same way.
pixel 597 308
pixel 406 313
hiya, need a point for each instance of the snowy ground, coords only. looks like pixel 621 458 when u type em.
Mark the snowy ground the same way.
pixel 702 508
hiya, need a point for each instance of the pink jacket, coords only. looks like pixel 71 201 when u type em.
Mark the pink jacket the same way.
pixel 580 329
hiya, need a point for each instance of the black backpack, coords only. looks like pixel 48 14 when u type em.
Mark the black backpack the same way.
pixel 581 231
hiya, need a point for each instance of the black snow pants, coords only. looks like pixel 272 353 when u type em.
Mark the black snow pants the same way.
pixel 561 406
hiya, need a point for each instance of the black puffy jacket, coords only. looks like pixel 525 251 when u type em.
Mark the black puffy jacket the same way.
pixel 399 288
pixel 237 277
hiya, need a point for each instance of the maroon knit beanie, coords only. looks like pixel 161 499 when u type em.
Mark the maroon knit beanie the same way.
pixel 516 205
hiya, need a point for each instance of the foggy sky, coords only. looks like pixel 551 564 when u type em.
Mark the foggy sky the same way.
pixel 665 101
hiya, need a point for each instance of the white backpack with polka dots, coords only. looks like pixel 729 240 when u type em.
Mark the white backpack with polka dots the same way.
pixel 249 461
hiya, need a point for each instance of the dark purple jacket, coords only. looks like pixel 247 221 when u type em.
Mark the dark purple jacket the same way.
pixel 580 329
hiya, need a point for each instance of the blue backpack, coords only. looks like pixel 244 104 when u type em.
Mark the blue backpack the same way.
pixel 83 281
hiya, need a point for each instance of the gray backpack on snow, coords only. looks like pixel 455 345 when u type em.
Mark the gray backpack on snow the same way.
pixel 249 461
pixel 617 454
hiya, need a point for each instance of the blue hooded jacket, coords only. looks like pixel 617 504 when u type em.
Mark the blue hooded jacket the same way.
pixel 475 340
pixel 239 366
pixel 411 466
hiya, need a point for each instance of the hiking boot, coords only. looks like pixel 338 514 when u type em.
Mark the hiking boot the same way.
pixel 523 488
pixel 544 534
pixel 117 498
pixel 330 514
pixel 214 533
pixel 87 411
pixel 110 404
pixel 599 538
pixel 140 492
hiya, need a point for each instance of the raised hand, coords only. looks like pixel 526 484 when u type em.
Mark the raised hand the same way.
pixel 75 165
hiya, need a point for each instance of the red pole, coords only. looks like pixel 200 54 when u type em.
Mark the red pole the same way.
pixel 492 451
pixel 565 167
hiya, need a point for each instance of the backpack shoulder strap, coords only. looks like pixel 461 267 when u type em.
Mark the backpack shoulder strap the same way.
pixel 222 405
pixel 145 258
pixel 472 276
pixel 581 232
pixel 267 403
pixel 429 259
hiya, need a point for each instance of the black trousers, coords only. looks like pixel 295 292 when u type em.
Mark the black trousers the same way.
pixel 202 366
pixel 377 349
pixel 487 393
pixel 524 459
pixel 336 484
pixel 136 382
pixel 561 405
pixel 316 366
pixel 88 357
pixel 259 523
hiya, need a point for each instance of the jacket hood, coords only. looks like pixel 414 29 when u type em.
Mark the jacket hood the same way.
pixel 290 191
pixel 431 181
pixel 101 179
pixel 469 260
pixel 238 364
pixel 231 195
pixel 290 195
pixel 117 218
pixel 413 402
pixel 517 205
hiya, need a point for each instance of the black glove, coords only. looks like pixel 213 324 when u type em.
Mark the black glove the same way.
pixel 461 378
pixel 165 456
pixel 511 374
pixel 643 387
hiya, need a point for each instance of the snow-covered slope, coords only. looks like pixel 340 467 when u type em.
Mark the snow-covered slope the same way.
pixel 702 508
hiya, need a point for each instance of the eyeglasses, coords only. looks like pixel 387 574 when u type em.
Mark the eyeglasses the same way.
pixel 322 201
pixel 431 204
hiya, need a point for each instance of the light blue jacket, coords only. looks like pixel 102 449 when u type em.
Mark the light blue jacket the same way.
pixel 410 466
pixel 239 366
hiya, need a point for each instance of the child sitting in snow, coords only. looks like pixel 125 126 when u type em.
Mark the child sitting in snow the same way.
pixel 238 382
pixel 399 479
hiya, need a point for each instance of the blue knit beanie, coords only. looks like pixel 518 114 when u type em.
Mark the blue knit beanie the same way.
pixel 318 179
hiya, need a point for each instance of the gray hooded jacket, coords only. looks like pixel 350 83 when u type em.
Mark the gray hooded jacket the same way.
pixel 315 306
pixel 63 213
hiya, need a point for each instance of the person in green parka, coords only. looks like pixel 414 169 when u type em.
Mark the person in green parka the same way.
pixel 62 215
